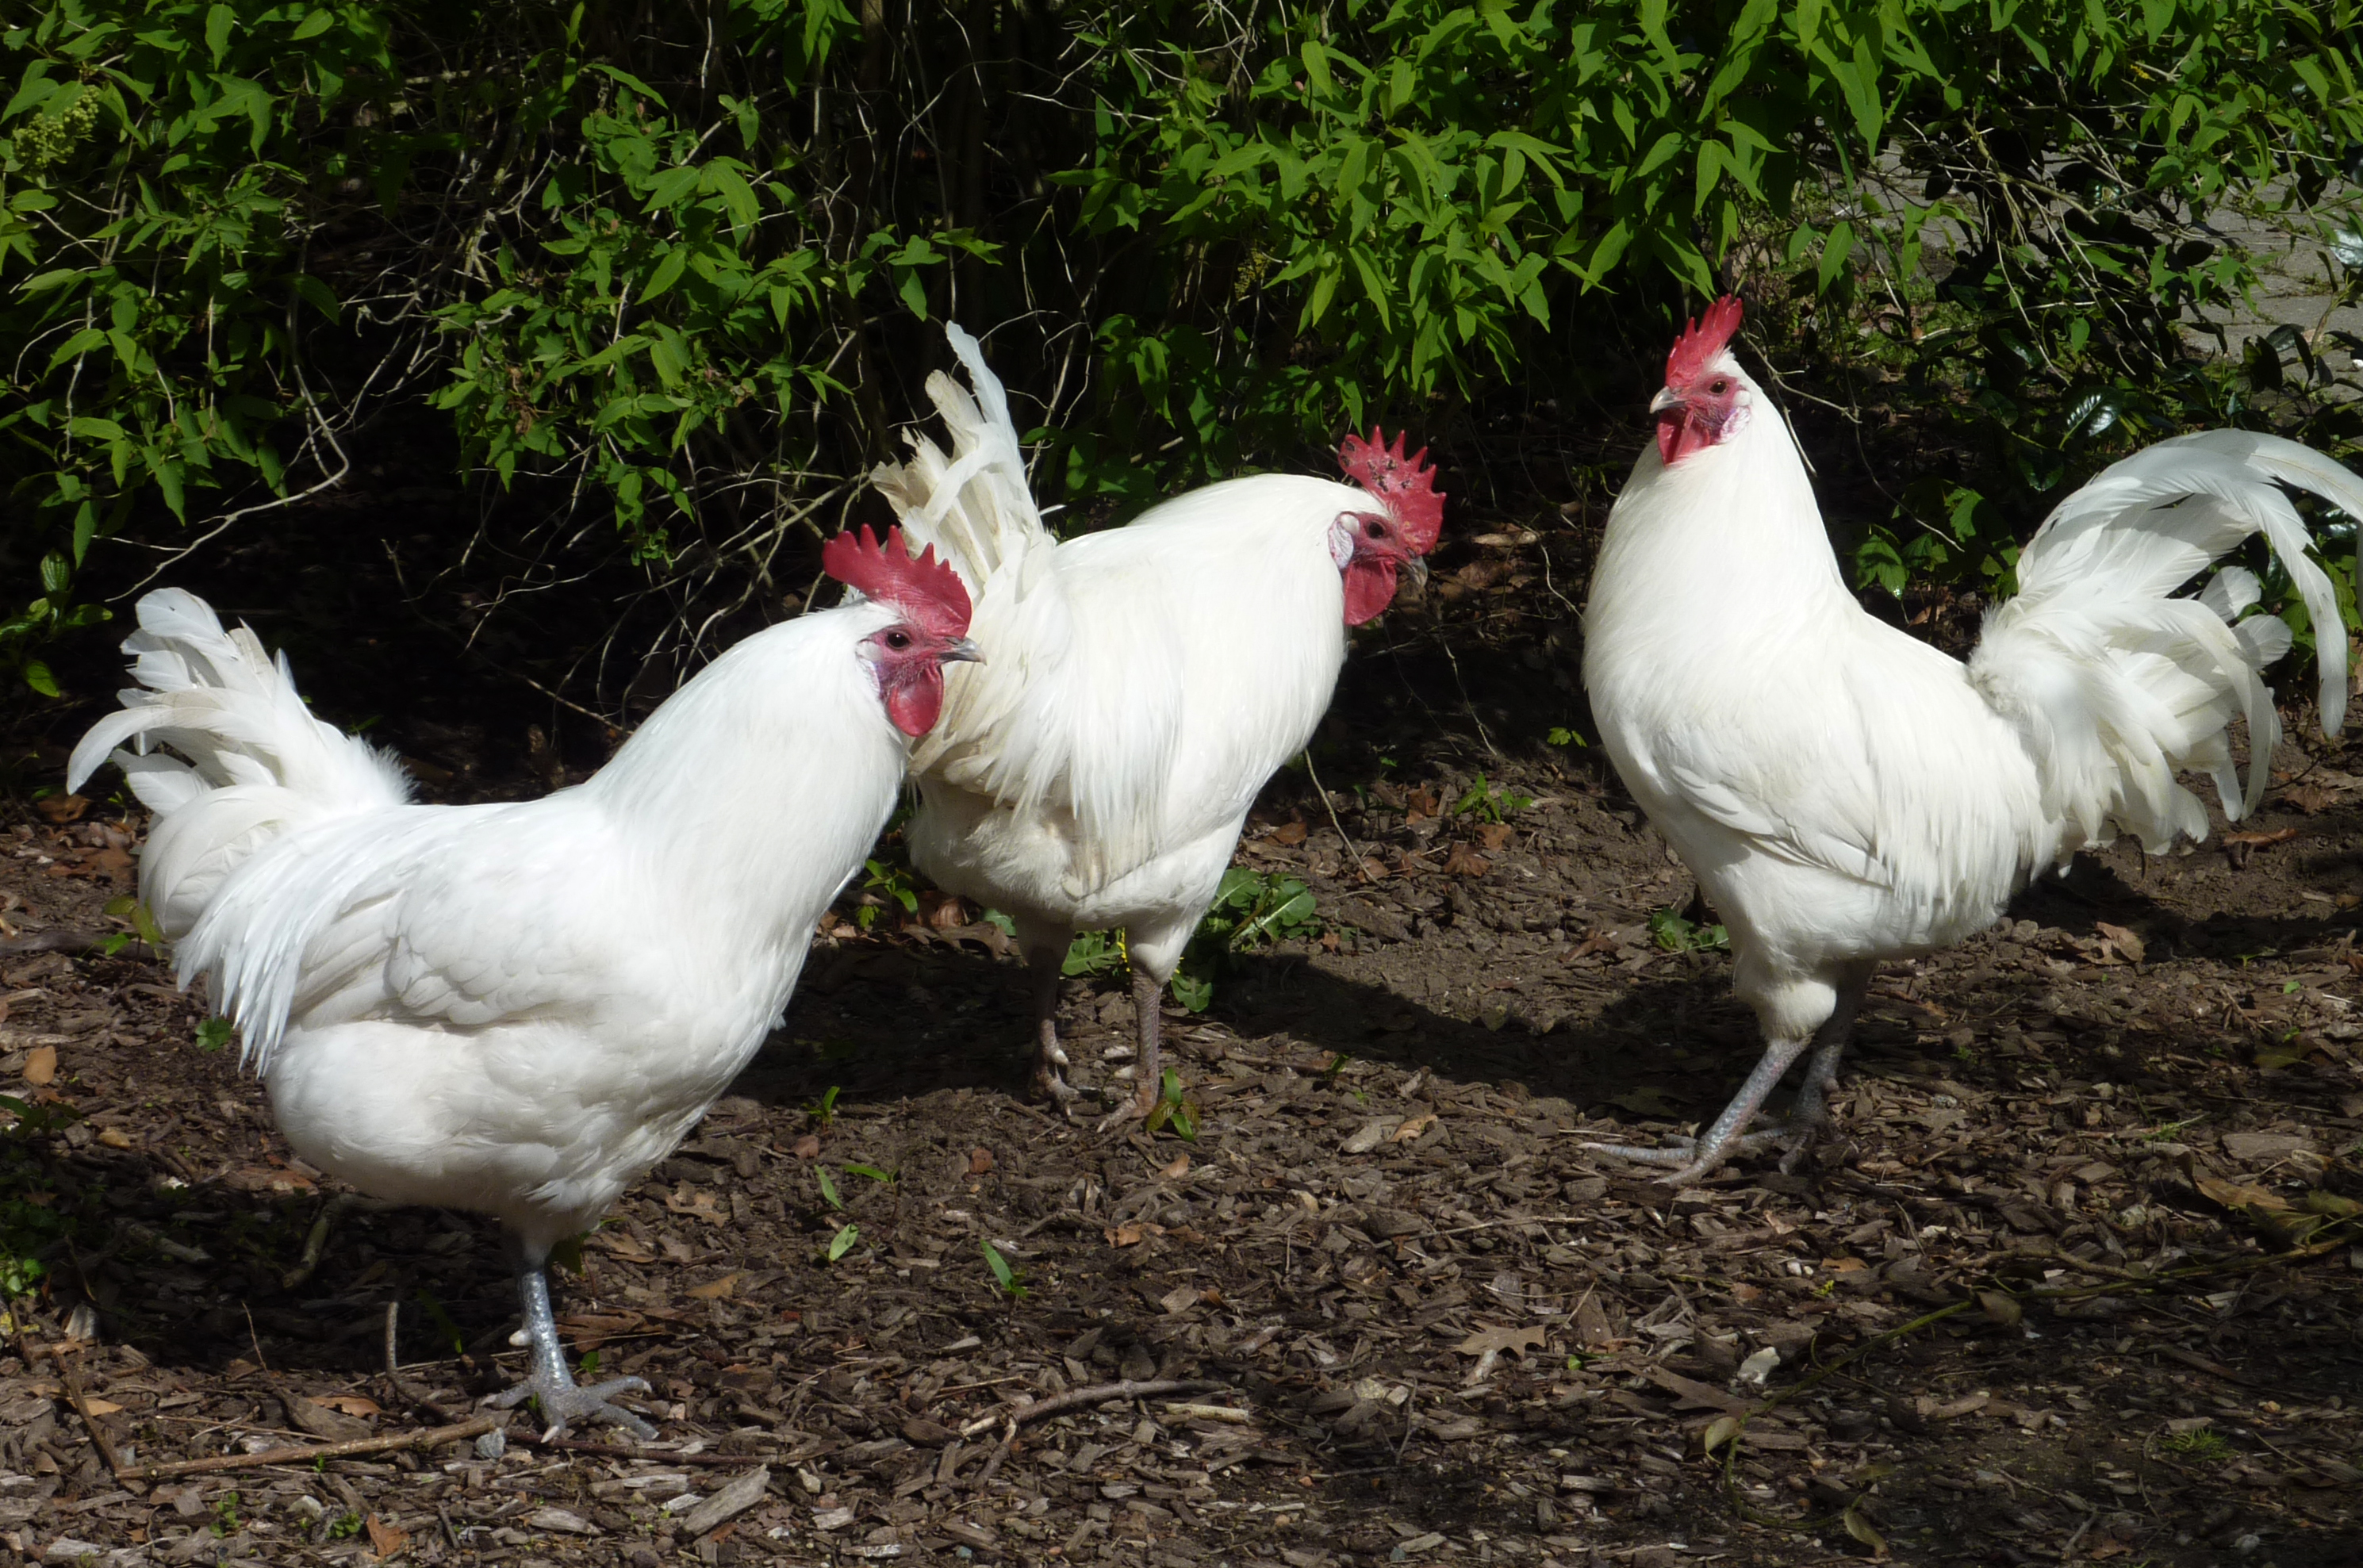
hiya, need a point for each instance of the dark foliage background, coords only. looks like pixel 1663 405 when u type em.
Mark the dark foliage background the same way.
pixel 566 332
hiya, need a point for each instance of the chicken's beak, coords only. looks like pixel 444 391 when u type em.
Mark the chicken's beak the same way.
pixel 1417 567
pixel 1666 398
pixel 962 651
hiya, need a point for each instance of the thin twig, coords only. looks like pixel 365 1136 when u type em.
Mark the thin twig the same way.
pixel 75 942
pixel 649 1455
pixel 1099 1394
pixel 67 1369
pixel 431 1436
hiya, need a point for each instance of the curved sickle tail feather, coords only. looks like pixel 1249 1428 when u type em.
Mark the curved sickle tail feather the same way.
pixel 2114 685
pixel 253 762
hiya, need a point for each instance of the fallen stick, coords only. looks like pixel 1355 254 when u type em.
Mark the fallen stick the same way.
pixel 429 1437
pixel 1077 1398
pixel 76 943
pixel 65 1363
pixel 649 1455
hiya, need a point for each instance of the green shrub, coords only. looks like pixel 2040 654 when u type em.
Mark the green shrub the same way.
pixel 671 271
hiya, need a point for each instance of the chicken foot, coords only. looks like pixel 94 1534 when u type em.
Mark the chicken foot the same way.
pixel 1049 966
pixel 1147 1070
pixel 1698 1157
pixel 564 1401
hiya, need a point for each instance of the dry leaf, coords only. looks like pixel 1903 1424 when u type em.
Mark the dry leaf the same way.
pixel 102 1407
pixel 2311 799
pixel 1181 1298
pixel 1177 1169
pixel 1287 834
pixel 1494 1342
pixel 1465 862
pixel 62 808
pixel 2128 946
pixel 980 1162
pixel 385 1538
pixel 697 1202
pixel 806 1147
pixel 2241 1194
pixel 1495 835
pixel 623 1244
pixel 1860 1527
pixel 354 1403
pixel 41 1065
pixel 1596 940
pixel 1412 1128
pixel 312 1416
pixel 2260 840
pixel 716 1289
pixel 115 1137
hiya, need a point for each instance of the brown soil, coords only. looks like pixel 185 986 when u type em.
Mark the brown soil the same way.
pixel 2114 1139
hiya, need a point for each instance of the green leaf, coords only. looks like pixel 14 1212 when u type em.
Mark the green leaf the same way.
pixel 827 1188
pixel 668 273
pixel 37 677
pixel 219 20
pixel 842 1242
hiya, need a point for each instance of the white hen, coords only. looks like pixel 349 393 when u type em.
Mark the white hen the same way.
pixel 1845 793
pixel 517 1008
pixel 1142 683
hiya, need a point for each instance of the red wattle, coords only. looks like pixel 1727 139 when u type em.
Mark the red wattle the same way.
pixel 1679 436
pixel 914 701
pixel 1369 588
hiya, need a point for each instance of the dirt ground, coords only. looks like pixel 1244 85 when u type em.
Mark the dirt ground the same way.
pixel 2079 1279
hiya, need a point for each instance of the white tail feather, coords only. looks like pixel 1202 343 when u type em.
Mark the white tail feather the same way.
pixel 252 761
pixel 2116 686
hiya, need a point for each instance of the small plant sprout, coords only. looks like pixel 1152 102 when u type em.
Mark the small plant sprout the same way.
pixel 1174 1110
pixel 1490 802
pixel 1676 934
pixel 827 1188
pixel 2202 1444
pixel 1005 1278
pixel 1559 734
pixel 884 882
pixel 823 1111
pixel 884 1178
pixel 840 1243
pixel 1095 953
pixel 213 1032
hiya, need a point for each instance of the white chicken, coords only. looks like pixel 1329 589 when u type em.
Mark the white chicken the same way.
pixel 1142 684
pixel 1845 793
pixel 517 1008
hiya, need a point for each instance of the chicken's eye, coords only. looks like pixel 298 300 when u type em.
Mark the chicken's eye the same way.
pixel 898 641
pixel 1374 528
pixel 1719 386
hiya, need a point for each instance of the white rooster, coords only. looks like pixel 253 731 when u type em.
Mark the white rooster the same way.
pixel 1142 683
pixel 1845 793
pixel 517 1008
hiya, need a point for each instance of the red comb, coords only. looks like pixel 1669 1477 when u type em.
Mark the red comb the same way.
pixel 1406 489
pixel 927 590
pixel 1703 340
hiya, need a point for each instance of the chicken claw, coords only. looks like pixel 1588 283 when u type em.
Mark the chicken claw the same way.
pixel 1699 1158
pixel 1148 1067
pixel 564 1403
